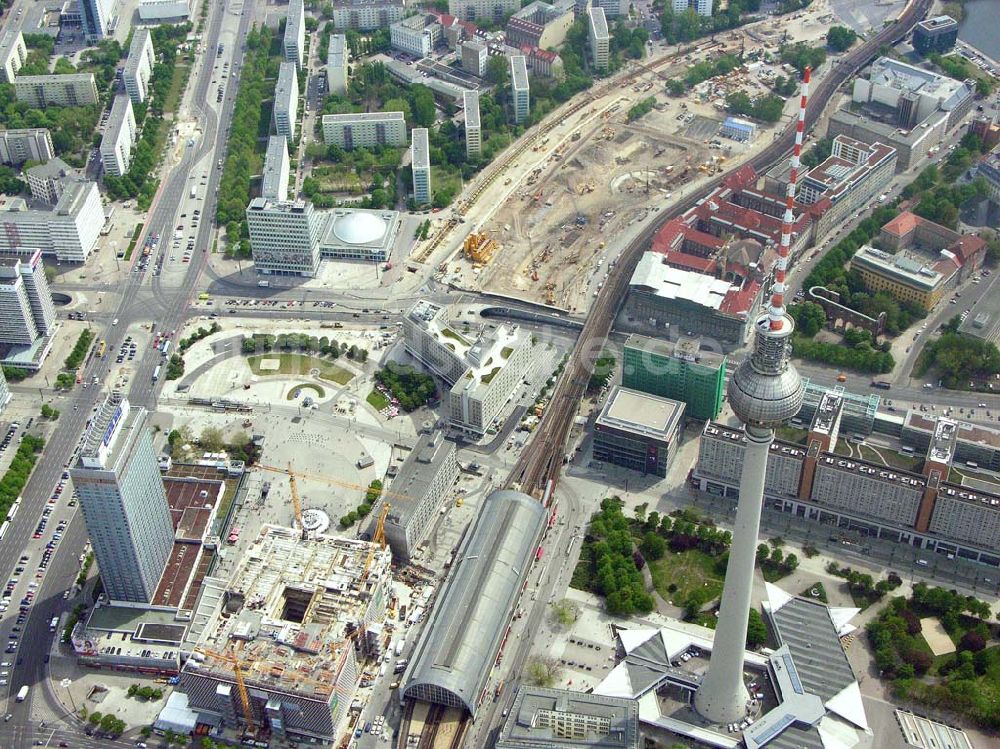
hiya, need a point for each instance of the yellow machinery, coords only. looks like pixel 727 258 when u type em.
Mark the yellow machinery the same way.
pixel 328 480
pixel 241 686
pixel 378 538
pixel 296 502
pixel 479 248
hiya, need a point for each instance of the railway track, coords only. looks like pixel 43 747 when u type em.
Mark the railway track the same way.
pixel 541 463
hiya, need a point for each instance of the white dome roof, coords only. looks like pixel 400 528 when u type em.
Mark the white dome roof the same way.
pixel 359 228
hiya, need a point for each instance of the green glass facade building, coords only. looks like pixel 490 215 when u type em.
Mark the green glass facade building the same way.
pixel 678 370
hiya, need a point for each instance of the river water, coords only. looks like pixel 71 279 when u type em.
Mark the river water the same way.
pixel 980 25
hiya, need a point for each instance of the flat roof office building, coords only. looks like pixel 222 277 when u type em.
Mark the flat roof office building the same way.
pixel 123 501
pixel 69 231
pixel 277 167
pixel 418 491
pixel 493 10
pixel 638 431
pixel 366 15
pixel 286 101
pixel 473 128
pixel 420 157
pixel 937 34
pixel 679 370
pixel 13 53
pixel 27 144
pixel 364 130
pixel 294 43
pixel 519 89
pixel 119 137
pixel 600 39
pixel 542 718
pixel 26 309
pixel 48 181
pixel 139 66
pixel 66 90
pixel 336 64
pixel 284 236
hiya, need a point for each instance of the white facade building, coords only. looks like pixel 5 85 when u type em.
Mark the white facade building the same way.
pixel 420 157
pixel 470 10
pixel 286 101
pixel 284 237
pixel 123 501
pixel 69 90
pixel 28 144
pixel 416 35
pixel 69 231
pixel 701 7
pixel 13 53
pixel 364 129
pixel 600 39
pixel 26 309
pixel 47 181
pixel 277 167
pixel 119 137
pixel 473 127
pixel 519 89
pixel 139 66
pixel 336 64
pixel 474 56
pixel 294 42
pixel 367 15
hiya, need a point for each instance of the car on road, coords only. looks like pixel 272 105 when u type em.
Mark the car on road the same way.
pixel 115 321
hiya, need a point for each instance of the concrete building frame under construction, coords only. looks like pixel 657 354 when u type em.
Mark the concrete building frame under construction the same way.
pixel 301 611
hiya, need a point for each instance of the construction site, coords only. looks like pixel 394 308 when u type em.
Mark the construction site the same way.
pixel 286 636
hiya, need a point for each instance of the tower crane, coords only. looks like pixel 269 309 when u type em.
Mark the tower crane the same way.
pixel 377 538
pixel 296 502
pixel 241 686
pixel 329 480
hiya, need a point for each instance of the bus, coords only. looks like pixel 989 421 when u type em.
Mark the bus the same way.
pixel 165 347
pixel 4 527
pixel 22 693
pixel 102 346
pixel 14 508
pixel 156 373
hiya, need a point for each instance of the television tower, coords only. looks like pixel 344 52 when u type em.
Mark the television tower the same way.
pixel 764 391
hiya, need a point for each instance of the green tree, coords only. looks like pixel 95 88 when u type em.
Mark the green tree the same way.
pixel 212 440
pixel 756 630
pixel 653 546
pixel 839 38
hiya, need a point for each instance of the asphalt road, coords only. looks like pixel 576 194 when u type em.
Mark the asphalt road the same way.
pixel 139 301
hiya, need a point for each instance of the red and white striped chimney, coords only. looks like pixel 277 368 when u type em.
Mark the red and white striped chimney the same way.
pixel 776 312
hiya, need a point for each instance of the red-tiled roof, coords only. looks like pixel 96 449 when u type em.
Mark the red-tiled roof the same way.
pixel 903 224
pixel 743 177
pixel 967 247
pixel 704 265
pixel 740 301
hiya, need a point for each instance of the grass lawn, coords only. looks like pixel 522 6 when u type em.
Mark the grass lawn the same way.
pixel 377 400
pixel 444 180
pixel 300 364
pixel 910 463
pixel 792 434
pixel 228 495
pixel 173 97
pixel 820 592
pixel 687 570
pixel 305 386
pixel 135 238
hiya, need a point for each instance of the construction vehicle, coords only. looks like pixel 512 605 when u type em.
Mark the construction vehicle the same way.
pixel 479 247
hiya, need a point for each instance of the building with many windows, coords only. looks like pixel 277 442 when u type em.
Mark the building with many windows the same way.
pixel 417 492
pixel 98 17
pixel 600 39
pixel 284 236
pixel 473 126
pixel 416 35
pixel 286 101
pixel 701 7
pixel 559 719
pixel 810 481
pixel 519 89
pixel 69 231
pixel 123 501
pixel 493 10
pixel 737 129
pixel 989 168
pixel 119 137
pixel 937 34
pixel 420 159
pixel 277 167
pixel 366 15
pixel 364 129
pixel 139 66
pixel 294 42
pixel 638 431
pixel 13 53
pixel 474 56
pixel 906 276
pixel 540 24
pixel 483 369
pixel 26 309
pixel 28 144
pixel 65 90
pixel 47 181
pixel 336 64
pixel 679 370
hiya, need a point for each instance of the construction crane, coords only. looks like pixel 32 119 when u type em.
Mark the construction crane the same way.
pixel 377 538
pixel 296 502
pixel 329 480
pixel 241 686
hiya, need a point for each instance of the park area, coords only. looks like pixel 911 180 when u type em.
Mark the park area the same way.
pixel 298 364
